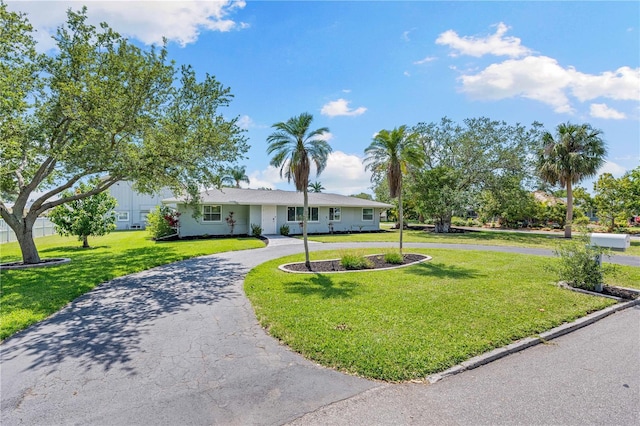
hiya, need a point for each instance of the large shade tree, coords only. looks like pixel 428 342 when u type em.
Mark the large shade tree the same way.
pixel 390 154
pixel 295 147
pixel 576 152
pixel 99 106
pixel 462 160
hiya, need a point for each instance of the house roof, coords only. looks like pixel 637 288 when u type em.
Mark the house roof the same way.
pixel 239 196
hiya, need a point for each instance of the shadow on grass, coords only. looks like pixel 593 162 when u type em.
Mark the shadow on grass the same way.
pixel 324 286
pixel 104 328
pixel 75 249
pixel 480 235
pixel 441 270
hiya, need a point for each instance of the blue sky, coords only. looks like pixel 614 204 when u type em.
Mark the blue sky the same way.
pixel 362 66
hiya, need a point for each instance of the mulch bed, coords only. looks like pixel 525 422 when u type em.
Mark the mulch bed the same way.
pixel 335 266
pixel 43 262
pixel 620 292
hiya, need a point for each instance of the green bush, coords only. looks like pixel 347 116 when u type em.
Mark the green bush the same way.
pixel 458 221
pixel 353 261
pixel 162 222
pixel 581 221
pixel 256 230
pixel 284 230
pixel 579 265
pixel 394 258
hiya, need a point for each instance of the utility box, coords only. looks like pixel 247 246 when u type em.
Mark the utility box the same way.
pixel 613 241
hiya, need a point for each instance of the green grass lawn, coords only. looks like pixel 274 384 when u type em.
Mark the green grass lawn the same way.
pixel 30 295
pixel 495 238
pixel 411 322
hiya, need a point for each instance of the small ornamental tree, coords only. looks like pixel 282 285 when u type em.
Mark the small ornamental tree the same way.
pixel 90 216
pixel 163 222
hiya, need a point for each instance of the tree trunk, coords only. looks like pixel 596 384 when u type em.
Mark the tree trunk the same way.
pixel 27 246
pixel 23 228
pixel 85 241
pixel 305 213
pixel 401 214
pixel 569 219
pixel 443 225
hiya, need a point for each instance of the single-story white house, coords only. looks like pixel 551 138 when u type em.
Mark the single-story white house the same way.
pixel 133 207
pixel 272 209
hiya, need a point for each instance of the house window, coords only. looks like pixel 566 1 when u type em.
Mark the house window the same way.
pixel 294 214
pixel 212 213
pixel 122 216
pixel 143 215
pixel 367 215
pixel 334 214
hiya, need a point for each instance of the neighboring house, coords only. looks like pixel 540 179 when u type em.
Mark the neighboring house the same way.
pixel 272 209
pixel 133 207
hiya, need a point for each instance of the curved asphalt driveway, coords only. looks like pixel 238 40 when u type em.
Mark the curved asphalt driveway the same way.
pixel 179 344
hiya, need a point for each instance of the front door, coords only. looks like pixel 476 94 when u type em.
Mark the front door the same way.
pixel 269 220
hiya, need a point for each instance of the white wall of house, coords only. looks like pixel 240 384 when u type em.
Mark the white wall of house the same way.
pixel 351 219
pixel 212 221
pixel 133 207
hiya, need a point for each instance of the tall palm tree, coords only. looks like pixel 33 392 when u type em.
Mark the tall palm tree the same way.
pixel 576 152
pixel 316 186
pixel 236 174
pixel 295 147
pixel 391 153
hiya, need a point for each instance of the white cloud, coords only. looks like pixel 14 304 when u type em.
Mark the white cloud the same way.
pixel 268 178
pixel 146 21
pixel 538 77
pixel 622 84
pixel 541 78
pixel 534 77
pixel 327 136
pixel 425 60
pixel 341 108
pixel 610 167
pixel 604 111
pixel 344 175
pixel 496 44
pixel 245 122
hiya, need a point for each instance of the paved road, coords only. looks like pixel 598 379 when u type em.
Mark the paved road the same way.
pixel 179 344
pixel 588 377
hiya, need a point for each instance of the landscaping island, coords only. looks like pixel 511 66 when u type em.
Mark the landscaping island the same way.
pixel 376 261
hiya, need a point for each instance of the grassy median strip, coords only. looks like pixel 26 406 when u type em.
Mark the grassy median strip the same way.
pixel 30 295
pixel 491 238
pixel 411 322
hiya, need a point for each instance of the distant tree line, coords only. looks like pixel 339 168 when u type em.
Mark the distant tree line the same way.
pixel 500 173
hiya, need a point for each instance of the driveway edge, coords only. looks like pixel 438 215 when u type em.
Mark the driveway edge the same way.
pixel 528 342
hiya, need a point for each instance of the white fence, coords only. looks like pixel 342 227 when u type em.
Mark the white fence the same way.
pixel 42 227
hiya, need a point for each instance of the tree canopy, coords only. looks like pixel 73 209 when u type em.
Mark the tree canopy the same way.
pixel 89 216
pixel 462 160
pixel 101 106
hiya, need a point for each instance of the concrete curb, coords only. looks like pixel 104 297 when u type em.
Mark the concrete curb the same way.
pixel 528 342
